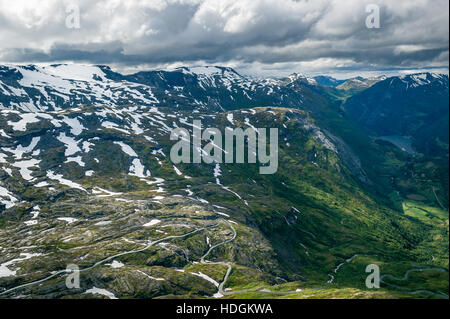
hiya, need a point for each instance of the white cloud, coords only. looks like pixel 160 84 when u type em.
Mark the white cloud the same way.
pixel 309 34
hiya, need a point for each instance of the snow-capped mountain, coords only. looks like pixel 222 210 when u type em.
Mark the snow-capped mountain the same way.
pixel 61 86
pixel 413 105
pixel 56 87
pixel 420 79
pixel 359 83
pixel 86 178
pixel 328 81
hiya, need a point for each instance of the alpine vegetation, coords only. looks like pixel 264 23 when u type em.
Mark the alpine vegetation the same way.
pixel 224 149
pixel 254 138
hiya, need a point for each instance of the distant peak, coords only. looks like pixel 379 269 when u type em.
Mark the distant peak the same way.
pixel 208 70
pixel 424 78
pixel 294 77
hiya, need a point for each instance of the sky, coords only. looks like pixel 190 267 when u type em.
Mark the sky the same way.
pixel 256 37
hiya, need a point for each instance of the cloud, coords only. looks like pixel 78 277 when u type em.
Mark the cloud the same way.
pixel 246 33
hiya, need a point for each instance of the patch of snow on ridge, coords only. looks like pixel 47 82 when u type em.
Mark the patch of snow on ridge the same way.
pixel 76 159
pixel 202 275
pixel 217 171
pixel 150 277
pixel 70 143
pixel 75 125
pixel 87 146
pixel 98 291
pixel 103 222
pixel 39 79
pixel 24 168
pixel 230 118
pixel 127 149
pixel 3 133
pixel 68 220
pixel 6 272
pixel 35 212
pixel 99 190
pixel 63 181
pixel 116 264
pixel 177 171
pixel 114 126
pixel 3 158
pixel 75 72
pixel 26 118
pixel 138 170
pixel 152 222
pixel 247 121
pixel 41 184
pixel 10 202
pixel 21 150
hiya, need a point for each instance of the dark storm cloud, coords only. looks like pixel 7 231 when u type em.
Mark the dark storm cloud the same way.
pixel 284 34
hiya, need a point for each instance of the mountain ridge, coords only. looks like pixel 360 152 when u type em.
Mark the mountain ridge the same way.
pixel 89 181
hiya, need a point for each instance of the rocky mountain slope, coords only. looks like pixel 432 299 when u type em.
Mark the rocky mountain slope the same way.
pixel 56 87
pixel 328 81
pixel 412 105
pixel 359 83
pixel 86 179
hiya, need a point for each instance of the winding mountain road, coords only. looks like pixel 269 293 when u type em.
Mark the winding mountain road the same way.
pixel 108 259
pixel 221 292
pixel 228 265
pixel 405 277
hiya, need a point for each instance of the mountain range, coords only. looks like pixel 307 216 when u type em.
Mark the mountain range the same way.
pixel 86 179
